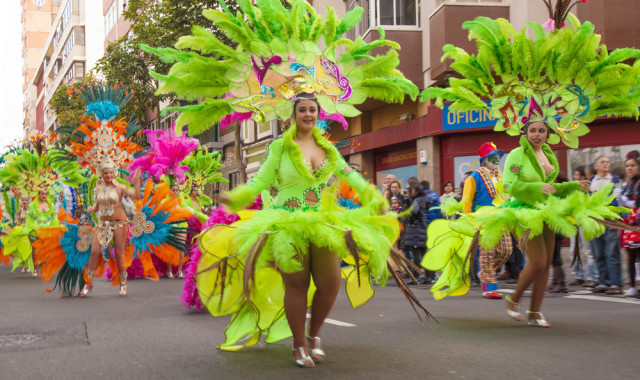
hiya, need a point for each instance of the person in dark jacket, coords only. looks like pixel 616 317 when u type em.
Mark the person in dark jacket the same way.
pixel 415 239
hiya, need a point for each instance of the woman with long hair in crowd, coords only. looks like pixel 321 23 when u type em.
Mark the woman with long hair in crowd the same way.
pixel 630 197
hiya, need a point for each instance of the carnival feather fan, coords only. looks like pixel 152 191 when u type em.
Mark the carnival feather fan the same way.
pixel 277 57
pixel 156 224
pixel 164 156
pixel 564 77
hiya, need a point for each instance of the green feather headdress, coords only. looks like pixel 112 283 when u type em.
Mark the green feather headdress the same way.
pixel 564 77
pixel 277 56
pixel 29 172
pixel 203 169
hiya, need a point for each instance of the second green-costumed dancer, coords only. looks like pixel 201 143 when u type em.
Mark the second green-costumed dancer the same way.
pixel 546 89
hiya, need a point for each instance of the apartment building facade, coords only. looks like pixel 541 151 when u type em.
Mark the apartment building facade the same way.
pixel 37 17
pixel 73 45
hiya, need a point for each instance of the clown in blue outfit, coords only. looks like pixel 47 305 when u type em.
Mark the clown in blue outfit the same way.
pixel 481 189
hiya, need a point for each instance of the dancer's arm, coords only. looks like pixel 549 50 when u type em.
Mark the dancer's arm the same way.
pixel 529 192
pixel 242 195
pixel 366 191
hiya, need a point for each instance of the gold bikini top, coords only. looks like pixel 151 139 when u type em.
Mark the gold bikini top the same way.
pixel 106 198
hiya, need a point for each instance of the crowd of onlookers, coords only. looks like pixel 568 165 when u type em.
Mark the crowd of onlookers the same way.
pixel 596 264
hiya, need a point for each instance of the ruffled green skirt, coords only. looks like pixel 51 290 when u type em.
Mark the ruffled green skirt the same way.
pixel 450 243
pixel 239 272
pixel 18 244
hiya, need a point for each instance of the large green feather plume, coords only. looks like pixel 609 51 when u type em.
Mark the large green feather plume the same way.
pixel 567 72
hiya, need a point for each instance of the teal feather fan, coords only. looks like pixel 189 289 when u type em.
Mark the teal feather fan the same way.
pixel 277 57
pixel 565 77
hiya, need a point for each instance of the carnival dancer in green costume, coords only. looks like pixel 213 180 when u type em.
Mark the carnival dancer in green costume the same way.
pixel 36 172
pixel 268 267
pixel 548 89
pixel 41 214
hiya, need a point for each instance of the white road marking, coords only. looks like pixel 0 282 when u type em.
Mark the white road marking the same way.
pixel 585 295
pixel 335 322
pixel 597 298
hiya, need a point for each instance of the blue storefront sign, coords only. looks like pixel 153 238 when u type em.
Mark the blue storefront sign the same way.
pixel 452 121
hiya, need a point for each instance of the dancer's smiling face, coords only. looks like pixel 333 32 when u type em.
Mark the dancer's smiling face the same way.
pixel 175 189
pixel 107 175
pixel 306 113
pixel 537 133
pixel 42 195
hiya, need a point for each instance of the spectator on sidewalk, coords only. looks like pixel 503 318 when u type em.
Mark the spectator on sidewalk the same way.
pixel 576 261
pixel 557 284
pixel 606 247
pixel 395 190
pixel 448 191
pixel 630 197
pixel 415 240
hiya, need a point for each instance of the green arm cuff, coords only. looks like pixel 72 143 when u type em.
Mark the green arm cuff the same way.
pixel 565 188
pixel 241 196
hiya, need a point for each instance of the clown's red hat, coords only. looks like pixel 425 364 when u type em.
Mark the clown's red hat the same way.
pixel 488 149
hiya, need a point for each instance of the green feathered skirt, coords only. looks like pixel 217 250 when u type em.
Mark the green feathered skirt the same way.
pixel 18 244
pixel 239 271
pixel 452 244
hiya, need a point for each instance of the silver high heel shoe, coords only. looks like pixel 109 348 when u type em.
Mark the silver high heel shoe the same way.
pixel 515 314
pixel 317 353
pixel 305 360
pixel 538 322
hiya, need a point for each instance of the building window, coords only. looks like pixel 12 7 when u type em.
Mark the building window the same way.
pixel 66 50
pixel 79 34
pixel 111 17
pixel 397 12
pixel 78 70
pixel 233 179
pixel 362 27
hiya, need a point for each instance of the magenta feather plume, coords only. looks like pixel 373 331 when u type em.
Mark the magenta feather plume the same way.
pixel 234 117
pixel 335 117
pixel 167 150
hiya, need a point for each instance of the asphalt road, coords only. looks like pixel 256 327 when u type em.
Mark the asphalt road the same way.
pixel 147 335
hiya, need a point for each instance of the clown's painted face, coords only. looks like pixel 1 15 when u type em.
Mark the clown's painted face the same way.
pixel 492 162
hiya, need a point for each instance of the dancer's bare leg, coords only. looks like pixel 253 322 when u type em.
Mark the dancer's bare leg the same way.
pixel 295 303
pixel 535 249
pixel 325 269
pixel 539 285
pixel 96 249
pixel 183 238
pixel 120 242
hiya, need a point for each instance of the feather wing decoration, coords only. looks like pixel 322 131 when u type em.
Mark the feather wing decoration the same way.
pixel 165 154
pixel 277 56
pixel 156 225
pixel 565 77
pixel 190 297
pixel 65 250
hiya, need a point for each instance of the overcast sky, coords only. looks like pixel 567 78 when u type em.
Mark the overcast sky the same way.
pixel 11 71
